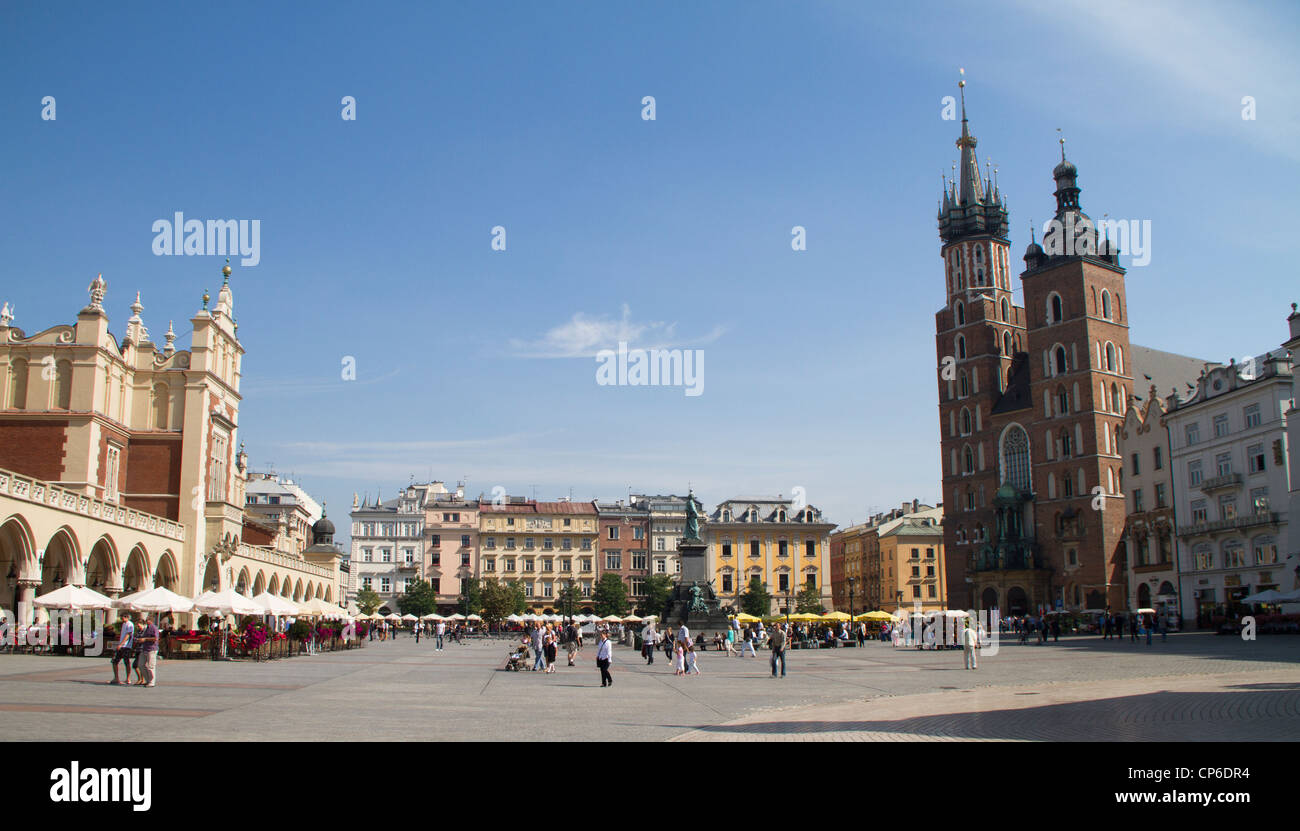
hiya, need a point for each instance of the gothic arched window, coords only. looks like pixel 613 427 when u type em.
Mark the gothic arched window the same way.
pixel 1005 307
pixel 961 314
pixel 1105 304
pixel 1110 357
pixel 1015 457
pixel 965 421
pixel 1057 312
pixel 1059 356
pixel 961 348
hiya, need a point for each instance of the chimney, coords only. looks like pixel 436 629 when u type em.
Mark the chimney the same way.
pixel 907 508
pixel 1294 321
pixel 916 505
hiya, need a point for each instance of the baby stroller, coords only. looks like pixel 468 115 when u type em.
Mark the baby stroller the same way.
pixel 519 660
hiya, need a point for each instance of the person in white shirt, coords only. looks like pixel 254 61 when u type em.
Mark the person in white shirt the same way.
pixel 684 635
pixel 440 632
pixel 970 641
pixel 605 654
pixel 649 638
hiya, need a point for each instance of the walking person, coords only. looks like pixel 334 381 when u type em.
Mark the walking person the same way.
pixel 970 641
pixel 1163 626
pixel 1132 628
pixel 552 647
pixel 1056 629
pixel 571 642
pixel 749 642
pixel 125 645
pixel 604 654
pixel 679 659
pixel 776 643
pixel 649 641
pixel 730 642
pixel 147 660
pixel 539 662
pixel 1148 625
pixel 440 632
pixel 692 667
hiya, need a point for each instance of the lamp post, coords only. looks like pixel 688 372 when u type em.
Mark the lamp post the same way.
pixel 568 599
pixel 852 580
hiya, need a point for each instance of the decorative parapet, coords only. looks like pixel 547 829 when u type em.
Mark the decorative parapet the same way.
pixel 44 493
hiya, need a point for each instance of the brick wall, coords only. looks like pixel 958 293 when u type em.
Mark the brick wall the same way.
pixel 153 466
pixel 33 448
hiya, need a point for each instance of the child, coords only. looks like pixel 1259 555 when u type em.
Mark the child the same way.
pixel 679 659
pixel 693 667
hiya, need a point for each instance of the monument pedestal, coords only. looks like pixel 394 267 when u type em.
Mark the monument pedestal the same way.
pixel 693 601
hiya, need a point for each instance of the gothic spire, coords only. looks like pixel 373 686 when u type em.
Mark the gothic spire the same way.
pixel 972 190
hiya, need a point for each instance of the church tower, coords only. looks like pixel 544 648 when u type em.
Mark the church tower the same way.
pixel 1080 382
pixel 978 334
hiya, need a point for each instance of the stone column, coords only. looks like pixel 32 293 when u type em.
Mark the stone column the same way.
pixel 26 591
pixel 110 616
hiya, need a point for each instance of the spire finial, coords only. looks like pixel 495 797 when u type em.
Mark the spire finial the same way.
pixel 225 273
pixel 1061 139
pixel 1032 238
pixel 206 298
pixel 961 87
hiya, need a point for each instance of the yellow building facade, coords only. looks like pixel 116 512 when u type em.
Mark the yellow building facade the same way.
pixel 786 546
pixel 542 546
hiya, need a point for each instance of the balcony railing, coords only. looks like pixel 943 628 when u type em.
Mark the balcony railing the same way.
pixel 1220 482
pixel 53 496
pixel 1232 524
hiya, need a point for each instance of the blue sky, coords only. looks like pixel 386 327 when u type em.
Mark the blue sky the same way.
pixel 819 365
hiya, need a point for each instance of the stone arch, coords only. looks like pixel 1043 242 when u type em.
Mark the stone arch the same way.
pixel 17 560
pixel 273 587
pixel 297 591
pixel 320 591
pixel 103 566
pixel 1144 596
pixel 989 599
pixel 135 575
pixel 61 564
pixel 259 583
pixel 212 575
pixel 242 582
pixel 1017 601
pixel 309 592
pixel 286 587
pixel 166 574
pixel 329 594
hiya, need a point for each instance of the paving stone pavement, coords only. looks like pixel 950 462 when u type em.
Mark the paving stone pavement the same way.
pixel 1193 687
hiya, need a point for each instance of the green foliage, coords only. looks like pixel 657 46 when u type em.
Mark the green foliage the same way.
pixel 368 600
pixel 756 600
pixel 658 590
pixel 420 599
pixel 569 597
pixel 500 600
pixel 809 600
pixel 300 629
pixel 610 596
pixel 475 592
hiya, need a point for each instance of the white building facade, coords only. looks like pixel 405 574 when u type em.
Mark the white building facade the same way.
pixel 1228 447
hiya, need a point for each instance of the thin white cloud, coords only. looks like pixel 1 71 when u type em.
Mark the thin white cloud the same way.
pixel 584 335
pixel 1209 56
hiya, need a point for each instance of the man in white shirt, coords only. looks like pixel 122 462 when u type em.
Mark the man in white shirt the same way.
pixel 605 654
pixel 124 651
pixel 649 638
pixel 684 635
pixel 970 640
pixel 441 630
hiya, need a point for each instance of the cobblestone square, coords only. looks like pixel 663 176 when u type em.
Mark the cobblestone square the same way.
pixel 1192 687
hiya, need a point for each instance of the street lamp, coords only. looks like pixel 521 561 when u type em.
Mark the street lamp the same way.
pixel 568 599
pixel 852 580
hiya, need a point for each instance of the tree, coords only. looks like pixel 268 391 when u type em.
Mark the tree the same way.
pixel 610 596
pixel 497 601
pixel 756 601
pixel 471 587
pixel 368 600
pixel 809 600
pixel 420 599
pixel 658 591
pixel 568 598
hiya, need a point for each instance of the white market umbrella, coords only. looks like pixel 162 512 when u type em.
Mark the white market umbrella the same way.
pixel 409 617
pixel 473 617
pixel 611 619
pixel 457 616
pixel 1266 596
pixel 275 605
pixel 432 616
pixel 74 598
pixel 514 618
pixel 228 602
pixel 633 619
pixel 1289 597
pixel 393 617
pixel 157 599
